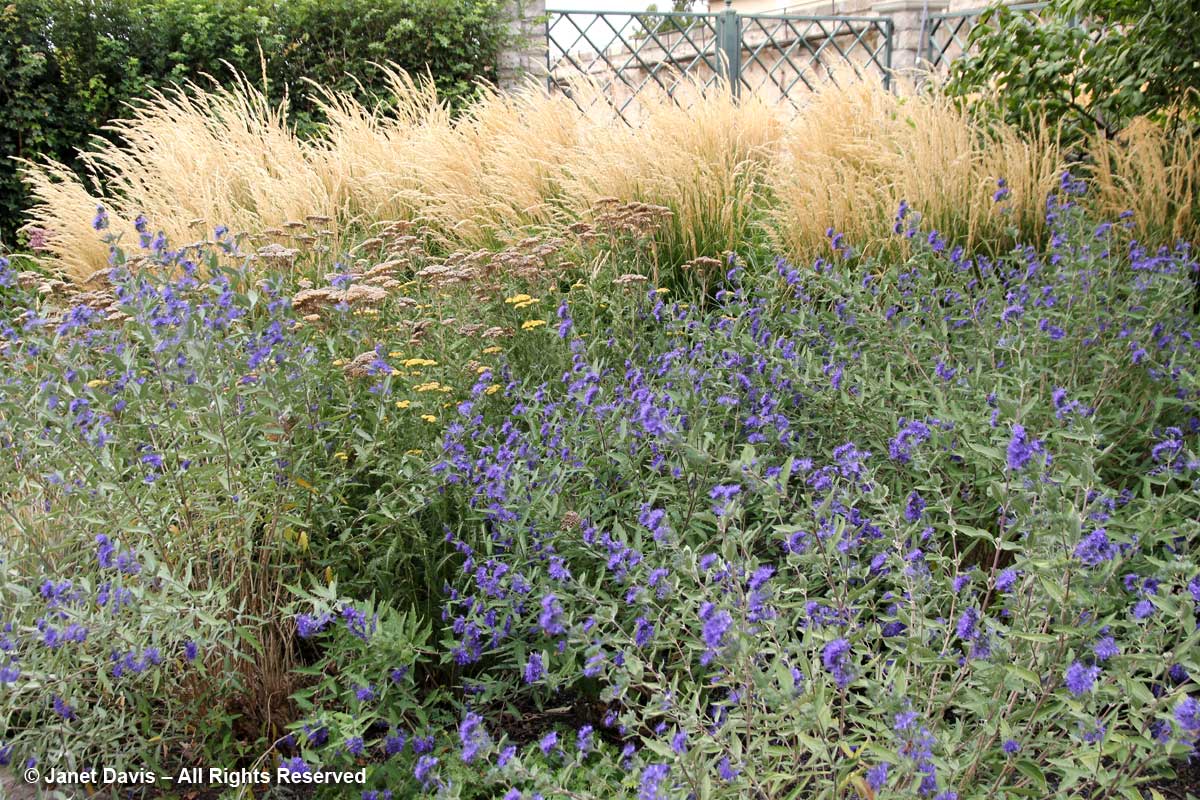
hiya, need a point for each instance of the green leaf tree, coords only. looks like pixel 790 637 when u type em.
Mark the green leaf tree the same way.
pixel 1091 65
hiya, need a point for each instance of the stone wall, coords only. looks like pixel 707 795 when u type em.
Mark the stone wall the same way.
pixel 524 58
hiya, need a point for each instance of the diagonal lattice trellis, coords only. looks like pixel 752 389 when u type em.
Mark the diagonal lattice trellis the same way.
pixel 624 53
pixel 800 53
pixel 947 35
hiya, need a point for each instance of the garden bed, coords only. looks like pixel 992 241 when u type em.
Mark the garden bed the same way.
pixel 922 522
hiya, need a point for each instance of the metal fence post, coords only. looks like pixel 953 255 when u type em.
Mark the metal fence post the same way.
pixel 889 31
pixel 729 42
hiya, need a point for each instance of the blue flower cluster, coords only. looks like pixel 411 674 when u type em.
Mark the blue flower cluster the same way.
pixel 855 524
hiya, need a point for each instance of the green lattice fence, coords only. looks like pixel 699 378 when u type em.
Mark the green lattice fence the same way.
pixel 784 56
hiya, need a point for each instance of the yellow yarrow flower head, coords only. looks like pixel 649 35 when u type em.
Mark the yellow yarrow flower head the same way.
pixel 495 387
pixel 517 298
pixel 403 403
pixel 429 417
pixel 420 362
pixel 530 324
pixel 490 350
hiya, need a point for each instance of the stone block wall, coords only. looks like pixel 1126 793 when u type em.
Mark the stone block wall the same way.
pixel 524 58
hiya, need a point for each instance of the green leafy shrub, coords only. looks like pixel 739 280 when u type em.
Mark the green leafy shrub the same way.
pixel 1092 65
pixel 842 532
pixel 67 67
pixel 237 448
pixel 111 650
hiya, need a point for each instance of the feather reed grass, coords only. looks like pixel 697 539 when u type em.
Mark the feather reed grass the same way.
pixel 1153 174
pixel 528 162
pixel 855 152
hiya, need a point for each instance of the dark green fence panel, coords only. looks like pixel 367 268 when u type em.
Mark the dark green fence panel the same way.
pixel 796 54
pixel 784 55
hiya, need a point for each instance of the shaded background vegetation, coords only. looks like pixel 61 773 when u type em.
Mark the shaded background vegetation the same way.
pixel 68 66
pixel 1091 66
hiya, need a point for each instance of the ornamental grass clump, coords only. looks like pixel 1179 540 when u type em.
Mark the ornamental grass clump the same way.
pixel 471 180
pixel 508 165
pixel 855 152
pixel 700 153
pixel 512 165
pixel 1153 173
pixel 191 159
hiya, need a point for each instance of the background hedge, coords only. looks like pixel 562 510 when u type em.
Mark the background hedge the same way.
pixel 67 66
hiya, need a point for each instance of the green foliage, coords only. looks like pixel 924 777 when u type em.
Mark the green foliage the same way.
pixel 1147 50
pixel 335 42
pixel 1092 65
pixel 897 525
pixel 658 25
pixel 68 66
pixel 374 665
pixel 126 652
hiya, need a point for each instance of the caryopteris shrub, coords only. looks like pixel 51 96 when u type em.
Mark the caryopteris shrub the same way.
pixel 925 527
pixel 845 534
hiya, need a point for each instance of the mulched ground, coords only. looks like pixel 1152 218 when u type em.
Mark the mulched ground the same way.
pixel 1185 786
